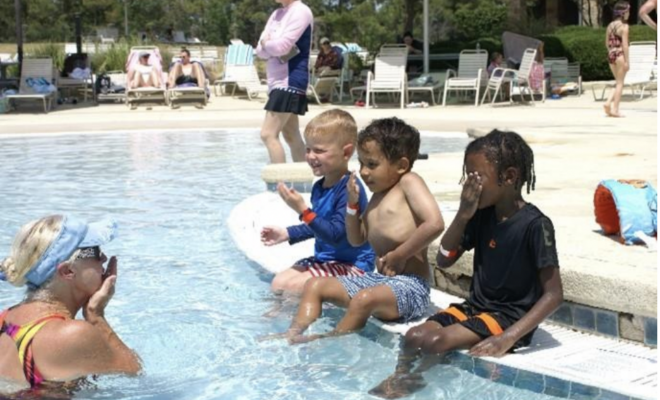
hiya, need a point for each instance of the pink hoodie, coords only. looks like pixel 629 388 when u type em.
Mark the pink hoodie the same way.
pixel 287 27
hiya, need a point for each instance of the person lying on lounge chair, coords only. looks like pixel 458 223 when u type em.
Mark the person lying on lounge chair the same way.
pixel 144 74
pixel 186 73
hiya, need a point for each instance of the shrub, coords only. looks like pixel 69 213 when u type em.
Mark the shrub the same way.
pixel 581 44
pixel 483 20
pixel 48 50
pixel 586 45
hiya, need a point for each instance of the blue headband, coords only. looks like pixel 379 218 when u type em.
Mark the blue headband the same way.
pixel 74 234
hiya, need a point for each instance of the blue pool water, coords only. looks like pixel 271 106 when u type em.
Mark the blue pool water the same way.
pixel 187 301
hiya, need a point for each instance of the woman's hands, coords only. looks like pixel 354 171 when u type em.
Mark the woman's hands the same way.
pixel 95 307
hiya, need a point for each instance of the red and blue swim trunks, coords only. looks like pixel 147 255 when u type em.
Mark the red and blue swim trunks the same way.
pixel 320 269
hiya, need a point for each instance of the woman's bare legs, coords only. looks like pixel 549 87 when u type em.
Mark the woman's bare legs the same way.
pixel 198 73
pixel 270 135
pixel 612 105
pixel 291 133
pixel 155 78
pixel 175 72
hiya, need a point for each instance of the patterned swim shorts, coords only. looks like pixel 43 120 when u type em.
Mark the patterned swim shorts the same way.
pixel 412 293
pixel 329 268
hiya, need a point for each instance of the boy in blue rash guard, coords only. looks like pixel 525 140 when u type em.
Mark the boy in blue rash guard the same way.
pixel 330 140
pixel 400 221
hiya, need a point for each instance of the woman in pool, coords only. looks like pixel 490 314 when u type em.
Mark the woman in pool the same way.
pixel 285 43
pixel 60 261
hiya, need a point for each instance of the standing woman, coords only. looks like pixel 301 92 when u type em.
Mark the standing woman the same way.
pixel 644 12
pixel 616 40
pixel 41 341
pixel 285 43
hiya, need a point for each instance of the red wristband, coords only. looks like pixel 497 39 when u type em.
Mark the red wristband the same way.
pixel 355 206
pixel 307 216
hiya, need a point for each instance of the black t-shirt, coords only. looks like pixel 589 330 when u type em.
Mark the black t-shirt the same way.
pixel 507 259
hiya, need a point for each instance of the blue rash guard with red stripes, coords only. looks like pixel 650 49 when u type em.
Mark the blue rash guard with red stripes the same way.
pixel 329 226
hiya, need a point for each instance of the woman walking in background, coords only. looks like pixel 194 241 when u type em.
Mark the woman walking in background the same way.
pixel 616 40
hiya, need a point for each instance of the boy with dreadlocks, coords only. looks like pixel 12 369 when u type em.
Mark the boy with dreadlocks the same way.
pixel 516 282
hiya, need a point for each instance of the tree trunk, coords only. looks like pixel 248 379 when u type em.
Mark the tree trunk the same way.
pixel 411 6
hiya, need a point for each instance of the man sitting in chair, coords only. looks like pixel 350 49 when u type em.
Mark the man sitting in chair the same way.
pixel 186 73
pixel 329 61
pixel 144 74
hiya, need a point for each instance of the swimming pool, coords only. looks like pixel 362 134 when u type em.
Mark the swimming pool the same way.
pixel 187 300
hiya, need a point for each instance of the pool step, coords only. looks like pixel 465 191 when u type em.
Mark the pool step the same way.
pixel 563 361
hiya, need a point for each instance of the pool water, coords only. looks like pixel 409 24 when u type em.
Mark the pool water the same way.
pixel 187 301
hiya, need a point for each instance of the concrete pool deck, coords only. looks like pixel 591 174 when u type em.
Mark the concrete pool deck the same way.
pixel 575 145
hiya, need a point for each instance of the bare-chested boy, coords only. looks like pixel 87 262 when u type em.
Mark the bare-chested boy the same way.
pixel 400 221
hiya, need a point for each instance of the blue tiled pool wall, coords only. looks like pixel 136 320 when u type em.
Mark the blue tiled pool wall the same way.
pixel 532 381
pixel 607 323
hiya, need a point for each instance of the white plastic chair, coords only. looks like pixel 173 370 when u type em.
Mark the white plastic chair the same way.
pixel 471 76
pixel 519 76
pixel 389 76
pixel 639 76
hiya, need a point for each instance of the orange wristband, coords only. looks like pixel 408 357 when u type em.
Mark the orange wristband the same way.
pixel 307 216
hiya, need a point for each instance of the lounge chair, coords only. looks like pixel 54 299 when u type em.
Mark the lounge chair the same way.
pixel 393 49
pixel 116 91
pixel 389 77
pixel 642 64
pixel 324 86
pixel 145 95
pixel 189 94
pixel 471 76
pixel 236 55
pixel 430 85
pixel 80 63
pixel 246 77
pixel 511 76
pixel 36 82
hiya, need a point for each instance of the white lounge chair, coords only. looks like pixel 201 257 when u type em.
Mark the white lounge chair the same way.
pixel 323 86
pixel 471 76
pixel 36 75
pixel 246 77
pixel 511 76
pixel 639 76
pixel 389 77
pixel 393 49
pixel 435 85
pixel 237 56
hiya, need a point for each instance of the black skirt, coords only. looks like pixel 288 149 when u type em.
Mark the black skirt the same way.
pixel 286 101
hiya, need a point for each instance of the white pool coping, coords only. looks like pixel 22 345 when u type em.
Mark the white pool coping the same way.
pixel 621 367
